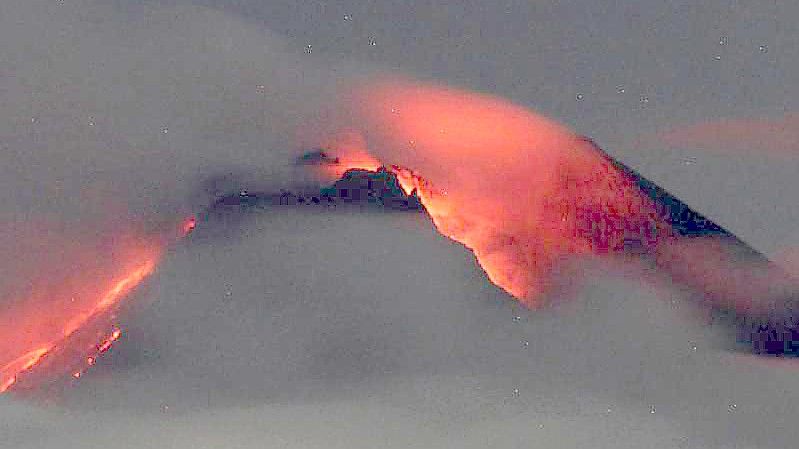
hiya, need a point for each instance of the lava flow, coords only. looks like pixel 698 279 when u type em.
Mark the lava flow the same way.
pixel 53 329
pixel 62 326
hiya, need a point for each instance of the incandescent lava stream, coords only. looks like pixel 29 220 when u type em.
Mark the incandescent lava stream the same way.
pixel 60 326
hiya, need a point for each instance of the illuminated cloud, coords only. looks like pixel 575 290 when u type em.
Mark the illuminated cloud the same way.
pixel 772 137
pixel 122 127
pixel 520 190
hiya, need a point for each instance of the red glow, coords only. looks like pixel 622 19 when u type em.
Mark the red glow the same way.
pixel 109 341
pixel 47 330
pixel 521 191
pixel 350 148
pixel 188 225
pixel 8 373
pixel 525 194
pixel 111 297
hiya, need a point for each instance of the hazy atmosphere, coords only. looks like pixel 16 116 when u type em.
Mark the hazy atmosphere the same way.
pixel 358 326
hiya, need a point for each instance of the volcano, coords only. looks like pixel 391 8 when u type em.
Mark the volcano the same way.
pixel 774 333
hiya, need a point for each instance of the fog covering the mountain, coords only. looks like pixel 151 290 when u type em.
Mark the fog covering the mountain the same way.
pixel 355 328
pixel 118 126
pixel 311 327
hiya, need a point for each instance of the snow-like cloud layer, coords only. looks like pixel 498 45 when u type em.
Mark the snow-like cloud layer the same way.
pixel 351 328
pixel 117 126
pixel 308 328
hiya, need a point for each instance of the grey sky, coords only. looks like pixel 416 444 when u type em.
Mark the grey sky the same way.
pixel 638 67
pixel 368 329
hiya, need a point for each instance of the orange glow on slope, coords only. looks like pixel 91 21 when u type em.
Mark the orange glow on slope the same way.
pixel 111 297
pixel 61 325
pixel 51 326
pixel 350 148
pixel 20 364
pixel 521 191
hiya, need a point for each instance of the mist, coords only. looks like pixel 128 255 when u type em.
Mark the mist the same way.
pixel 311 327
pixel 147 109
pixel 116 128
pixel 351 328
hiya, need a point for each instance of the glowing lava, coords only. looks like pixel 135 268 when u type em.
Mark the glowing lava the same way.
pixel 111 297
pixel 521 191
pixel 58 329
pixel 526 195
pixel 188 225
pixel 65 328
pixel 20 364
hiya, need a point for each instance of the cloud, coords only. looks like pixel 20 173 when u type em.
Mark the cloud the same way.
pixel 773 137
pixel 115 127
pixel 311 325
pixel 323 328
pixel 309 328
pixel 521 190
